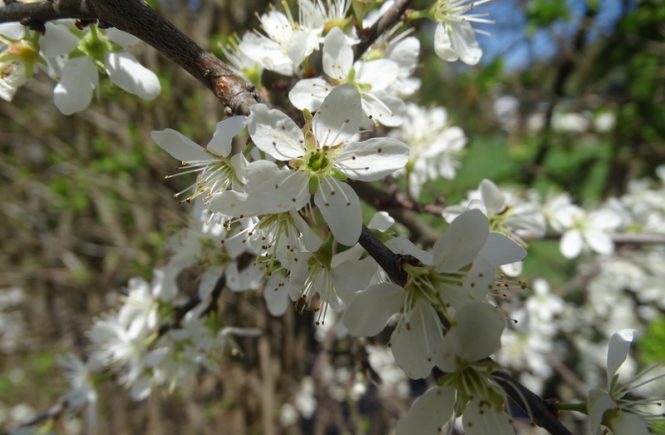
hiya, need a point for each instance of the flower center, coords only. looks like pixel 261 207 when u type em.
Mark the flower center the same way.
pixel 318 161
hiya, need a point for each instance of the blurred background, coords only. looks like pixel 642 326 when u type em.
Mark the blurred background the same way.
pixel 569 96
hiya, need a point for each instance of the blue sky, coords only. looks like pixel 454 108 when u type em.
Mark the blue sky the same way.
pixel 509 34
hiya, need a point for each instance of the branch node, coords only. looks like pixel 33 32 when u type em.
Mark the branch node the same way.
pixel 34 24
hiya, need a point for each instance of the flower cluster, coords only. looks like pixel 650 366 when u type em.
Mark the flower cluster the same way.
pixel 276 209
pixel 524 217
pixel 146 343
pixel 73 56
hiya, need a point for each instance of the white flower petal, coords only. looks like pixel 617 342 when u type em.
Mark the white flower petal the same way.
pixel 268 53
pixel 370 310
pixel 121 38
pixel 287 190
pixel 571 243
pixel 309 93
pixel 417 339
pixel 249 278
pixel 311 240
pixel 231 203
pixel 339 117
pixel 57 40
pixel 128 74
pixel 379 74
pixel 12 76
pixel 477 332
pixel 340 207
pixel 141 388
pixel 599 241
pixel 222 139
pixel 464 42
pixel 311 16
pixel 443 46
pixel 405 53
pixel 275 133
pixel 240 166
pixel 512 269
pixel 276 294
pixel 373 159
pixel 301 44
pixel 598 403
pixel 464 238
pixel 354 276
pixel 208 281
pixel 493 198
pixel 12 30
pixel 73 92
pixel 481 418
pixel 381 221
pixel 618 350
pixel 337 55
pixel 383 108
pixel 428 412
pixel 277 26
pixel 499 250
pixel 351 255
pixel 403 246
pixel 180 146
pixel 627 423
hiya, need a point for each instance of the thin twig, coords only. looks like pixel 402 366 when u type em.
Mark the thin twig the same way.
pixel 387 20
pixel 52 412
pixel 619 239
pixel 402 209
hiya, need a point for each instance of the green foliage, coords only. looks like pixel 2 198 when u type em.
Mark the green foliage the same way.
pixel 652 344
pixel 544 13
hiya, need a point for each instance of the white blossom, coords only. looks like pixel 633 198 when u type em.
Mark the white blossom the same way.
pixel 439 283
pixel 218 170
pixel 454 37
pixel 370 78
pixel 435 146
pixel 79 76
pixel 319 157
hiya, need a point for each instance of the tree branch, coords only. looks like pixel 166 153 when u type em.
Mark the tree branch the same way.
pixel 387 20
pixel 619 239
pixel 53 412
pixel 563 73
pixel 136 17
pixel 402 209
pixel 388 260
pixel 45 11
pixel 542 414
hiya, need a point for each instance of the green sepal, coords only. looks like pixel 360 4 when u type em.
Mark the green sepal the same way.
pixel 313 184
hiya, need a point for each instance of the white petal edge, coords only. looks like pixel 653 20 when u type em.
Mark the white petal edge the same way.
pixel 128 74
pixel 371 309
